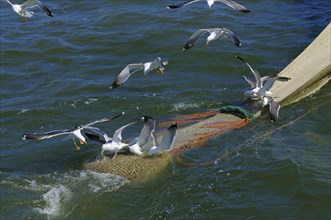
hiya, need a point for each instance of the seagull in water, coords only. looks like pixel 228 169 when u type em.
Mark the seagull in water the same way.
pixel 260 88
pixel 136 146
pixel 229 3
pixel 158 65
pixel 168 140
pixel 214 33
pixel 23 12
pixel 75 134
pixel 274 107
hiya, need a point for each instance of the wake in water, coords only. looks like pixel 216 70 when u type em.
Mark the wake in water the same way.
pixel 57 195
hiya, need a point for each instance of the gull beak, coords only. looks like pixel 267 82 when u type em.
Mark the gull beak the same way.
pixel 82 142
pixel 159 70
pixel 207 42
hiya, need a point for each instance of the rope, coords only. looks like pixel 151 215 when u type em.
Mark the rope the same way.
pixel 235 110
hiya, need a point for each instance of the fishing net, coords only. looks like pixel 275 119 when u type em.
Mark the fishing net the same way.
pixel 202 126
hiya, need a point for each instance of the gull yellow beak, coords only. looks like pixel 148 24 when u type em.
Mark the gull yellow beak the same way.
pixel 82 142
pixel 160 71
pixel 207 42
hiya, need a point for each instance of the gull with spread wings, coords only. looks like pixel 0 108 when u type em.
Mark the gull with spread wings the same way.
pixel 137 145
pixel 274 107
pixel 229 3
pixel 158 65
pixel 214 33
pixel 23 9
pixel 260 88
pixel 74 134
pixel 167 143
pixel 111 145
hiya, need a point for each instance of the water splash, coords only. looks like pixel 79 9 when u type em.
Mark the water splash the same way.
pixel 60 193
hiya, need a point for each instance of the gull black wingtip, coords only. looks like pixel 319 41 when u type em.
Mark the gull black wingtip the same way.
pixel 117 116
pixel 246 11
pixel 173 125
pixel 46 10
pixel 49 13
pixel 114 85
pixel 29 137
pixel 241 59
pixel 283 78
pixel 273 118
pixel 187 47
pixel 172 7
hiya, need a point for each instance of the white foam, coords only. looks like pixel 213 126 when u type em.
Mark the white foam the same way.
pixel 91 101
pixel 60 193
pixel 54 199
pixel 182 106
pixel 23 111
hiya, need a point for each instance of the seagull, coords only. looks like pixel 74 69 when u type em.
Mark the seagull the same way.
pixel 214 33
pixel 274 107
pixel 136 146
pixel 74 134
pixel 168 140
pixel 23 12
pixel 116 144
pixel 112 145
pixel 157 65
pixel 262 85
pixel 268 82
pixel 229 3
pixel 130 69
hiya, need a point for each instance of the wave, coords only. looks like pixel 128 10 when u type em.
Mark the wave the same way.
pixel 59 193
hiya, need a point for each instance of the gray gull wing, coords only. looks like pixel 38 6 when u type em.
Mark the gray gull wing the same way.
pixel 50 134
pixel 234 5
pixel 194 38
pixel 35 3
pixel 117 137
pixel 126 73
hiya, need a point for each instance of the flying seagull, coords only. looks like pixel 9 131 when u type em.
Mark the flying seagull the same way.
pixel 214 33
pixel 167 143
pixel 112 145
pixel 274 107
pixel 229 3
pixel 75 133
pixel 116 144
pixel 158 65
pixel 136 146
pixel 262 85
pixel 23 12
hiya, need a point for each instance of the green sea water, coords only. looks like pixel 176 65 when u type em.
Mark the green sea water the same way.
pixel 56 73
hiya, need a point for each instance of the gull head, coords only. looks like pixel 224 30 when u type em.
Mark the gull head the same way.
pixel 211 37
pixel 146 118
pixel 77 134
pixel 264 101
